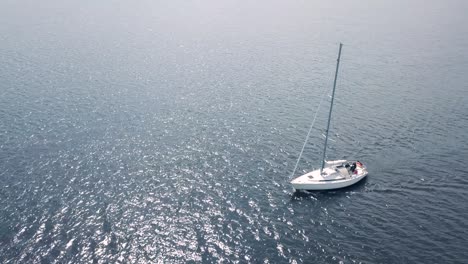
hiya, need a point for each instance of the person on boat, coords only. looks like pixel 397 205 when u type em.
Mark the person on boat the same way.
pixel 353 167
pixel 348 167
pixel 359 164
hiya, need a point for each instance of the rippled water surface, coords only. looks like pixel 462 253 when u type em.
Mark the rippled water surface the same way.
pixel 167 131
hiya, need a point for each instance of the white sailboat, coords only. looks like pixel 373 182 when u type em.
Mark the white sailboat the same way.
pixel 332 174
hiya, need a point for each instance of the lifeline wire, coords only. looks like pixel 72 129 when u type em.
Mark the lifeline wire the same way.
pixel 308 134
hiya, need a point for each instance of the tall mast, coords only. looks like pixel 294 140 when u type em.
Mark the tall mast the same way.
pixel 331 107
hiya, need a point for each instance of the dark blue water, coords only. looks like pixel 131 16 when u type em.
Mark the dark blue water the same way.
pixel 167 131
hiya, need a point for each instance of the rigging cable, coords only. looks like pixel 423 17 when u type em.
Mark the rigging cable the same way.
pixel 308 134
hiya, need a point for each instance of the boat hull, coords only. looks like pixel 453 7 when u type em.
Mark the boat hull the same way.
pixel 327 185
pixel 335 176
